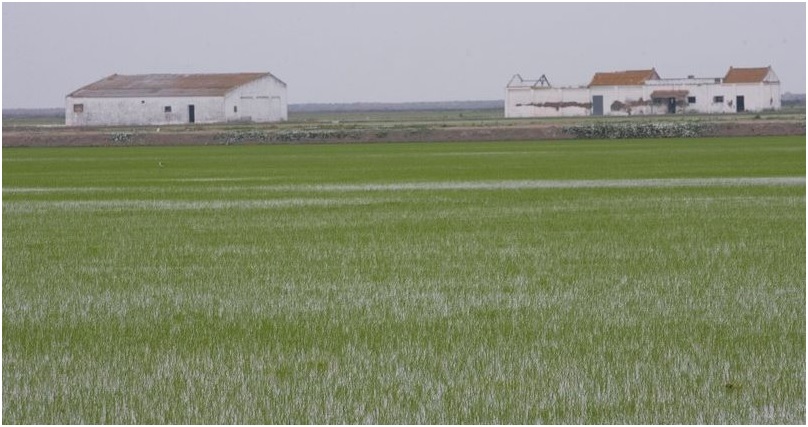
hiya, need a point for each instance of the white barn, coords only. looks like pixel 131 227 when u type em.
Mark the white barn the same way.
pixel 164 99
pixel 640 92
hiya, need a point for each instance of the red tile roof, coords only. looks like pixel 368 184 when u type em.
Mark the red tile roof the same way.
pixel 746 75
pixel 624 78
pixel 151 85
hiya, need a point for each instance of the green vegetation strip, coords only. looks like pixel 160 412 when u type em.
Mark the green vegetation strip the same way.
pixel 406 283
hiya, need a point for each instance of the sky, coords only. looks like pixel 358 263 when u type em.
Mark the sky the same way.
pixel 391 52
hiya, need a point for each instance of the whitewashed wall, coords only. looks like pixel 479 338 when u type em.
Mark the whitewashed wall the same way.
pixel 262 100
pixel 143 111
pixel 757 97
pixel 547 102
pixel 636 100
pixel 622 94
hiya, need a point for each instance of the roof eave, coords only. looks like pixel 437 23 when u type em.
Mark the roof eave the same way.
pixel 73 94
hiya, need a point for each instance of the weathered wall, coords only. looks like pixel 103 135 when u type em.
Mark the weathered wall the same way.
pixel 143 111
pixel 757 97
pixel 611 94
pixel 262 100
pixel 547 102
pixel 636 100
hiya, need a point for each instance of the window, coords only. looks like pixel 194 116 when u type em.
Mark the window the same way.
pixel 78 108
pixel 718 99
pixel 235 109
pixel 167 109
pixel 691 99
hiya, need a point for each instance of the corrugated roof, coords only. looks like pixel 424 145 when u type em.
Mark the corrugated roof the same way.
pixel 151 85
pixel 746 75
pixel 624 78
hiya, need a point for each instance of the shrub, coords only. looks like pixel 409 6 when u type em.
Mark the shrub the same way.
pixel 238 136
pixel 121 137
pixel 312 135
pixel 636 130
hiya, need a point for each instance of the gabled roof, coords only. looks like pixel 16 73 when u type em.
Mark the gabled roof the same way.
pixel 750 75
pixel 151 85
pixel 624 78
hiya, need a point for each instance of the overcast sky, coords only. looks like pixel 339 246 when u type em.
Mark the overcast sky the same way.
pixel 387 52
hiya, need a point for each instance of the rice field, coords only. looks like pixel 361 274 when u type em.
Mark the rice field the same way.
pixel 562 282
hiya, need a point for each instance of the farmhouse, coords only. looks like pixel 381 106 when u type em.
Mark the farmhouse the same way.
pixel 162 99
pixel 641 92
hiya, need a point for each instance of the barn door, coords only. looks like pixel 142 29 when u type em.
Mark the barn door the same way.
pixel 597 105
pixel 191 118
pixel 740 108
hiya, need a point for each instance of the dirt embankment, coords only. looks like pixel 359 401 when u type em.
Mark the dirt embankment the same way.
pixel 60 136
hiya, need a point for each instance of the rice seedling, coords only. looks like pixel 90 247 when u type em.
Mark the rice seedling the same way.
pixel 637 281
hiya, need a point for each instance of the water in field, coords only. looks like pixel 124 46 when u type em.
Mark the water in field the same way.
pixel 511 283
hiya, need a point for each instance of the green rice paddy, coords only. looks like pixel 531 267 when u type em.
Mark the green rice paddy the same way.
pixel 605 282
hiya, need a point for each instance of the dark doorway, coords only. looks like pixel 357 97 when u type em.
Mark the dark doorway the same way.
pixel 191 117
pixel 597 105
pixel 739 104
pixel 671 105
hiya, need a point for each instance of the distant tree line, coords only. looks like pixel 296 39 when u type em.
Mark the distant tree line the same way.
pixel 396 106
pixel 789 99
pixel 17 113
